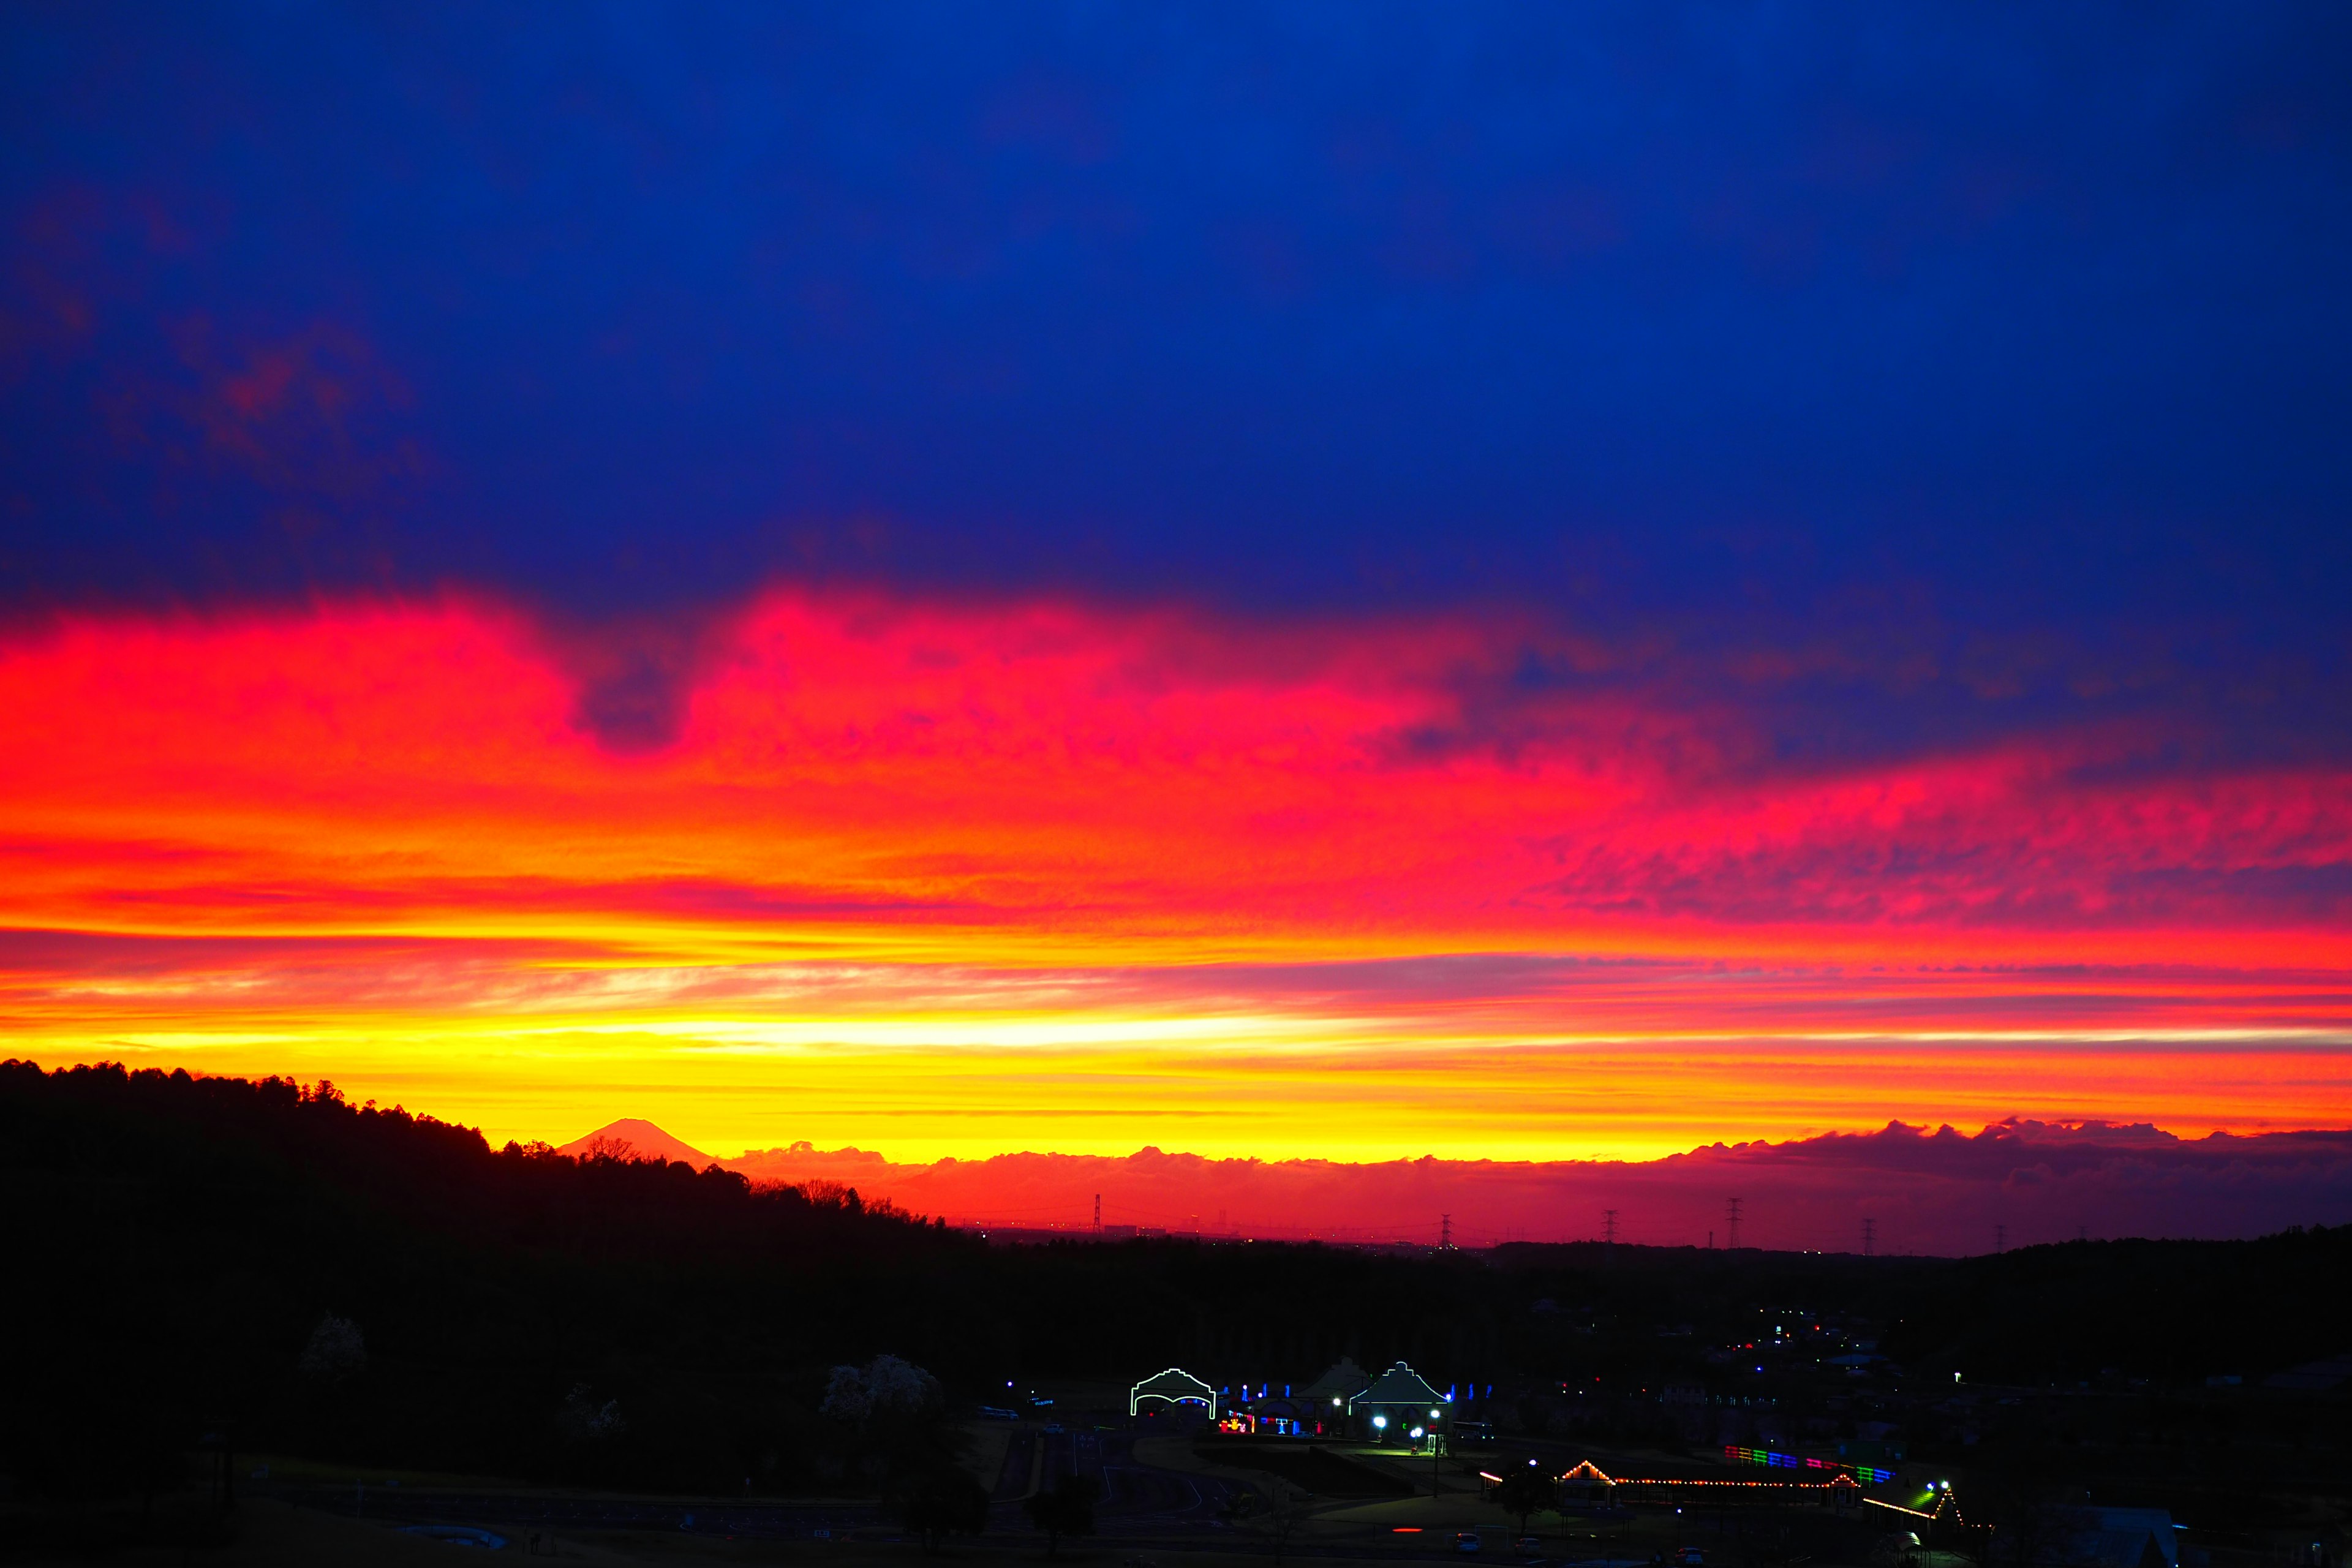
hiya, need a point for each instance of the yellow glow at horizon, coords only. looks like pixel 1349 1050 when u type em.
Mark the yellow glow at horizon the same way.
pixel 921 1088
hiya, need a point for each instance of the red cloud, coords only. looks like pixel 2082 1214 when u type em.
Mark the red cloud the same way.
pixel 1125 822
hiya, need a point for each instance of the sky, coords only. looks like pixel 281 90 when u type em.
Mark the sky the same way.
pixel 1312 581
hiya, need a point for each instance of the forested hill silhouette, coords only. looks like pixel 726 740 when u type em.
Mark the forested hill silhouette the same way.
pixel 267 1259
pixel 177 1242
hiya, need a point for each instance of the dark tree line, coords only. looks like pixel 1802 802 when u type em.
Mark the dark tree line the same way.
pixel 215 1255
pixel 180 1244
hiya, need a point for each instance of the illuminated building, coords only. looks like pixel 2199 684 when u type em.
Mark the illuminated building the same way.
pixel 1171 1387
pixel 1399 1401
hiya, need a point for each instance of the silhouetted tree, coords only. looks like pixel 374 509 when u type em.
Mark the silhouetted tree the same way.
pixel 335 1353
pixel 938 1503
pixel 1066 1508
pixel 156 1455
pixel 2026 1510
pixel 1525 1492
pixel 590 1428
pixel 898 1413
pixel 1286 1511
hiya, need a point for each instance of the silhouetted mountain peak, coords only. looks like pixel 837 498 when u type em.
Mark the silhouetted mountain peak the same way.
pixel 631 1139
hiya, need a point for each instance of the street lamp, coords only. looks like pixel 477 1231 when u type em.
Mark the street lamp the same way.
pixel 1380 1428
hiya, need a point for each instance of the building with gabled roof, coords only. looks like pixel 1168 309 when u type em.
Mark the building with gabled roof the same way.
pixel 1332 1390
pixel 1397 1401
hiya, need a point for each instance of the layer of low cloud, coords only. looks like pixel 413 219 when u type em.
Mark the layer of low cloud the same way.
pixel 1920 1191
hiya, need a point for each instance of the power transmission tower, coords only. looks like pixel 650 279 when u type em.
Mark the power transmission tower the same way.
pixel 1608 1228
pixel 1097 1211
pixel 1731 1226
pixel 1446 1233
pixel 1869 1239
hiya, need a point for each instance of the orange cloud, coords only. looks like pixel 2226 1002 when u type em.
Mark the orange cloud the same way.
pixel 989 874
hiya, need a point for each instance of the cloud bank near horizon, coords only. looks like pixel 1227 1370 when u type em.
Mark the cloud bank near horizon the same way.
pixel 1921 1190
pixel 941 873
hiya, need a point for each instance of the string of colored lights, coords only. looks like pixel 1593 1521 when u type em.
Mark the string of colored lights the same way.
pixel 1868 1474
pixel 1947 1508
pixel 1588 1469
pixel 1898 1507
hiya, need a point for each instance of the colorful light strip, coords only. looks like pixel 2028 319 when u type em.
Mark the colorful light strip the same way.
pixel 1867 1474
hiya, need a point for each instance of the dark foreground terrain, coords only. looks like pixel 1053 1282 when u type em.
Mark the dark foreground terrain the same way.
pixel 235 1311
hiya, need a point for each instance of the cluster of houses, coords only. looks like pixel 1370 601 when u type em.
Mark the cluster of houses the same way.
pixel 1396 1407
pixel 1399 1408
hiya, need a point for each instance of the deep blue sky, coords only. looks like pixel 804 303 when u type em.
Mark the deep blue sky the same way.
pixel 2017 335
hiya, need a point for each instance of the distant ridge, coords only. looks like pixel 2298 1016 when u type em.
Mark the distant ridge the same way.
pixel 631 1139
pixel 1901 1188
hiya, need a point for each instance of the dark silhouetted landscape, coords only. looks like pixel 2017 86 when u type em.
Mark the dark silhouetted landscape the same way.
pixel 262 1269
